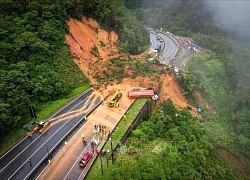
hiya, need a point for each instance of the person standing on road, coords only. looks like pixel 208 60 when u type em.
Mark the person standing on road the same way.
pixel 82 137
pixel 30 162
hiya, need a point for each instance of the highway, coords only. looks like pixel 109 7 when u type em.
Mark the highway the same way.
pixel 65 165
pixel 169 45
pixel 15 163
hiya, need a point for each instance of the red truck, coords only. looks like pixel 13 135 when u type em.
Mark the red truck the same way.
pixel 141 93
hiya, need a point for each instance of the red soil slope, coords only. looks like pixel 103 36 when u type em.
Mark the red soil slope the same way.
pixel 85 34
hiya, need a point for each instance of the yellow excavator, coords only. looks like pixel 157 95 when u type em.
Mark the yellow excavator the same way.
pixel 36 127
pixel 113 102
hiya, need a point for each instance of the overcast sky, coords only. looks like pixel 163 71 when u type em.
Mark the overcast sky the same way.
pixel 233 14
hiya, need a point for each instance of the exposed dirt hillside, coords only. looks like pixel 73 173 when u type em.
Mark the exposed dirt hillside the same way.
pixel 94 47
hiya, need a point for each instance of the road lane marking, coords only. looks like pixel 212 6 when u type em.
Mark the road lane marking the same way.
pixel 40 136
pixel 85 92
pixel 97 104
pixel 75 133
pixel 77 160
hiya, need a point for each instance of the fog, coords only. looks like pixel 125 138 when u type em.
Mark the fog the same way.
pixel 232 15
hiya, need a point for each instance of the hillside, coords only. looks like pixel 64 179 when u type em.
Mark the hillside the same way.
pixel 36 64
pixel 50 48
pixel 83 38
pixel 218 77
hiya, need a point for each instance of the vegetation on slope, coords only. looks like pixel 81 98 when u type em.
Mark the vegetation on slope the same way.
pixel 220 73
pixel 171 144
pixel 36 64
pixel 113 15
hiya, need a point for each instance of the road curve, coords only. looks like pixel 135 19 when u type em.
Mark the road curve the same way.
pixel 170 45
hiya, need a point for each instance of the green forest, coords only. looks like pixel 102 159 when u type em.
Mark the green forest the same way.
pixel 36 64
pixel 37 67
pixel 220 72
pixel 171 144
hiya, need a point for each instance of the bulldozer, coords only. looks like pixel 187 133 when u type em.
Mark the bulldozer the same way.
pixel 113 102
pixel 37 127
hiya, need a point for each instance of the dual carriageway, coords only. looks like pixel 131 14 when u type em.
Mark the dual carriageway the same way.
pixel 60 142
pixel 30 154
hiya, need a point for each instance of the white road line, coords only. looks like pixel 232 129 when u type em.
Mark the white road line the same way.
pixel 79 178
pixel 76 161
pixel 38 137
pixel 13 148
pixel 75 133
pixel 54 146
pixel 41 146
pixel 85 92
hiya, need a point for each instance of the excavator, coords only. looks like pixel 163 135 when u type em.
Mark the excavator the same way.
pixel 113 102
pixel 36 127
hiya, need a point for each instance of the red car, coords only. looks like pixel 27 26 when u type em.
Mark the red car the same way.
pixel 85 159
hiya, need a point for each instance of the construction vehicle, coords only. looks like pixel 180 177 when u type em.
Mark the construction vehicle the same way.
pixel 42 125
pixel 29 128
pixel 37 127
pixel 113 102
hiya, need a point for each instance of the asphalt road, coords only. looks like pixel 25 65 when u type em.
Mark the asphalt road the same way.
pixel 169 45
pixel 15 163
pixel 65 165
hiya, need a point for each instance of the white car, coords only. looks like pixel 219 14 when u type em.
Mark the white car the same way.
pixel 176 70
pixel 151 59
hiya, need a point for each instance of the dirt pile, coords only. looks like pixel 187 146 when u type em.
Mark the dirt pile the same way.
pixel 89 44
pixel 92 47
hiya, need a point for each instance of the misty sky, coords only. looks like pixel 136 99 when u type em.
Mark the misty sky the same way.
pixel 231 14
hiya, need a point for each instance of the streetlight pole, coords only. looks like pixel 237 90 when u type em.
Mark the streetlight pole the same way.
pixel 107 157
pixel 101 163
pixel 112 153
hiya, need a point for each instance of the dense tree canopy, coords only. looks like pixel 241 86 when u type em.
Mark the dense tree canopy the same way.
pixel 220 74
pixel 36 65
pixel 171 144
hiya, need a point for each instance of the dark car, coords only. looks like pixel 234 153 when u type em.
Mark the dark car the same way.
pixel 85 159
pixel 158 48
